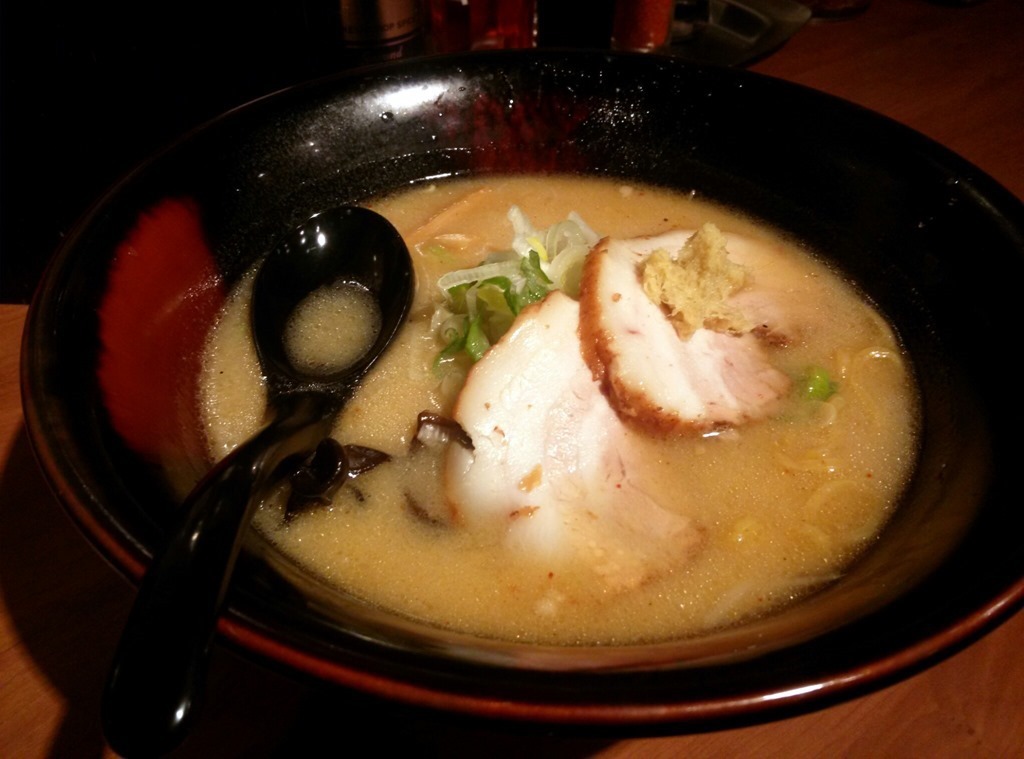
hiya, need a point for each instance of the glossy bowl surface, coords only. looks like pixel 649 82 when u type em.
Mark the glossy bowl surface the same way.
pixel 109 360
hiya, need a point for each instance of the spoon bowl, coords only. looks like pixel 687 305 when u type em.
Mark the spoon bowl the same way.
pixel 158 674
pixel 349 245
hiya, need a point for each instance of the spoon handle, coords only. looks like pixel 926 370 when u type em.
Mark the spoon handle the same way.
pixel 159 668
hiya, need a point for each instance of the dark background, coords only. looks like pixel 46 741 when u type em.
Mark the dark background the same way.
pixel 89 89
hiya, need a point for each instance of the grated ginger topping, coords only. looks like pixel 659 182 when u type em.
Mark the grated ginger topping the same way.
pixel 692 286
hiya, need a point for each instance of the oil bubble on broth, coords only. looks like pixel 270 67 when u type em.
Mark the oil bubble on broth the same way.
pixel 575 514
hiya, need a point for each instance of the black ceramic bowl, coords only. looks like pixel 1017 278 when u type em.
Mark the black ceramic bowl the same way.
pixel 934 242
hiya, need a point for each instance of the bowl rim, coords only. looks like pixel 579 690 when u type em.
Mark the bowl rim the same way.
pixel 128 555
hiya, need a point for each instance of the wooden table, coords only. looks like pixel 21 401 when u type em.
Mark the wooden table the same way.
pixel 954 73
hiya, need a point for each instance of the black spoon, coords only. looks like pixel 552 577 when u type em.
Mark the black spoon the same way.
pixel 159 669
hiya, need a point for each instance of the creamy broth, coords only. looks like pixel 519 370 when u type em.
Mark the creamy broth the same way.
pixel 782 505
pixel 332 328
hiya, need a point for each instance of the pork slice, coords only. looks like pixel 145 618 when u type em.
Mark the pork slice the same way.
pixel 656 381
pixel 784 299
pixel 551 461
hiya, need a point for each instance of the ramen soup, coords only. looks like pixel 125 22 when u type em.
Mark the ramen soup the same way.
pixel 646 418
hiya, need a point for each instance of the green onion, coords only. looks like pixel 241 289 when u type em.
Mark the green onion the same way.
pixel 817 385
pixel 484 300
pixel 476 341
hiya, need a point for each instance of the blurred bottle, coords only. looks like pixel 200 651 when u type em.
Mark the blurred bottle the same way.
pixel 346 33
pixel 388 26
pixel 481 24
pixel 643 25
